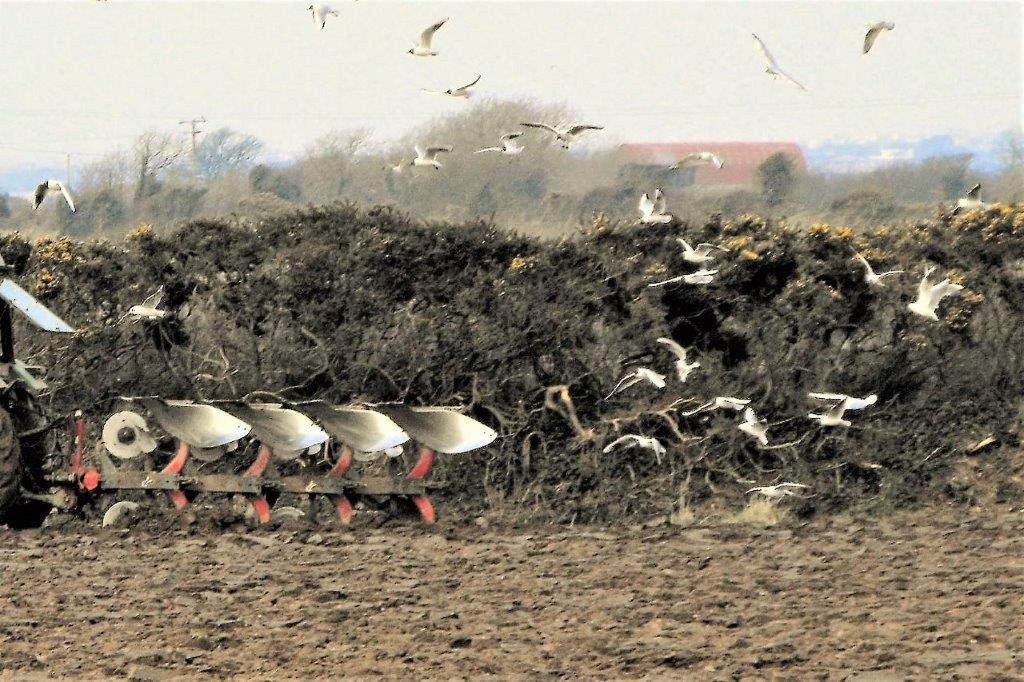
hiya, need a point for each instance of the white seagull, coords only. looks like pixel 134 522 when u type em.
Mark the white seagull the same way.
pixel 47 186
pixel 702 276
pixel 754 427
pixel 778 491
pixel 148 310
pixel 566 136
pixel 772 68
pixel 428 156
pixel 635 377
pixel 650 443
pixel 929 295
pixel 398 167
pixel 699 255
pixel 320 14
pixel 422 48
pixel 683 368
pixel 720 403
pixel 653 212
pixel 838 403
pixel 874 280
pixel 462 91
pixel 874 30
pixel 698 158
pixel 506 145
pixel 971 200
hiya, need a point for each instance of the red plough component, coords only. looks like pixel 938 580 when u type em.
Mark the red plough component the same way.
pixel 255 470
pixel 174 467
pixel 294 435
pixel 341 503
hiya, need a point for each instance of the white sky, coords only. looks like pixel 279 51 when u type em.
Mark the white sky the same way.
pixel 86 76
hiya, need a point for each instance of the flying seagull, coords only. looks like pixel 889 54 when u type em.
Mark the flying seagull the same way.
pixel 772 68
pixel 653 212
pixel 47 186
pixel 754 427
pixel 320 14
pixel 698 158
pixel 148 310
pixel 971 200
pixel 702 276
pixel 635 377
pixel 874 30
pixel 652 444
pixel 506 145
pixel 683 368
pixel 428 156
pixel 929 295
pixel 778 491
pixel 398 167
pixel 719 403
pixel 566 136
pixel 699 255
pixel 874 280
pixel 837 404
pixel 462 91
pixel 422 48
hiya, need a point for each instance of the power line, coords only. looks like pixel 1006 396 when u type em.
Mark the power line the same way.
pixel 194 132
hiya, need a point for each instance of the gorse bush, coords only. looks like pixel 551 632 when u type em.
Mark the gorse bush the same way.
pixel 529 336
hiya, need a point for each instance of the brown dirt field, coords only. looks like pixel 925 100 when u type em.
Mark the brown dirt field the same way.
pixel 907 596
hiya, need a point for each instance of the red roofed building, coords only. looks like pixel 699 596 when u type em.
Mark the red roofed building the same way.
pixel 740 160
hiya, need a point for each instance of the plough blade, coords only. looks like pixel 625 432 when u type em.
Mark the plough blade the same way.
pixel 199 425
pixel 363 430
pixel 287 432
pixel 441 429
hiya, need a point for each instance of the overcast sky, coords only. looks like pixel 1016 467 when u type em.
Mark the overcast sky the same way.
pixel 86 76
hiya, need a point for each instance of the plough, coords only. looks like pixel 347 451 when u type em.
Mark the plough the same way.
pixel 313 448
pixel 322 447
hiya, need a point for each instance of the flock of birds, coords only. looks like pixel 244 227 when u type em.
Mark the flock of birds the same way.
pixel 834 406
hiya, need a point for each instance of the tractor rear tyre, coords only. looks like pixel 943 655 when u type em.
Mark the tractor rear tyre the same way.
pixel 10 464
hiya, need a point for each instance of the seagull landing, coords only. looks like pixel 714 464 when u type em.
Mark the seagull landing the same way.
pixel 461 91
pixel 566 136
pixel 320 14
pixel 837 404
pixel 698 158
pixel 702 276
pixel 719 403
pixel 699 255
pixel 507 145
pixel 428 156
pixel 422 48
pixel 929 295
pixel 149 309
pixel 47 186
pixel 652 444
pixel 971 200
pixel 683 368
pixel 654 212
pixel 874 280
pixel 874 30
pixel 635 377
pixel 776 492
pixel 772 68
pixel 754 427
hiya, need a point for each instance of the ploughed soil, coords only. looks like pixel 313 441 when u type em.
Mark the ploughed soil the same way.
pixel 925 596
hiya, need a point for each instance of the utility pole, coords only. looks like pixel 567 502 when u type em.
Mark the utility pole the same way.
pixel 194 131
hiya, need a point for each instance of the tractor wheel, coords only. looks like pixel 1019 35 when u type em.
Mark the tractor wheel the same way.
pixel 10 463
